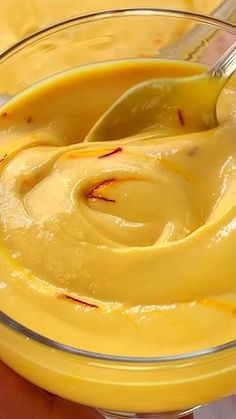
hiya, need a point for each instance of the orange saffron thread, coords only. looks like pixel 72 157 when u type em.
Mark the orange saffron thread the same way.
pixel 93 192
pixel 117 150
pixel 181 117
pixel 76 300
pixel 29 119
pixel 2 159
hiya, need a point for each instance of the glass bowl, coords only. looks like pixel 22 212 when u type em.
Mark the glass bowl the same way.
pixel 158 387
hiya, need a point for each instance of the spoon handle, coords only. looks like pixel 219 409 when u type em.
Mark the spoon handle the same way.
pixel 191 43
pixel 226 65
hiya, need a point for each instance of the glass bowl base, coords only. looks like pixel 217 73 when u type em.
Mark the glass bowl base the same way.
pixel 109 414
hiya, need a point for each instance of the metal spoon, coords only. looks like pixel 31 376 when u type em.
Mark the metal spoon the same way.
pixel 191 43
pixel 185 104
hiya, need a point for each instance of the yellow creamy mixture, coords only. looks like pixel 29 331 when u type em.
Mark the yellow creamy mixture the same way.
pixel 123 247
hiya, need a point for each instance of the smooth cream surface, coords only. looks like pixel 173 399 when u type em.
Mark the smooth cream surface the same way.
pixel 123 247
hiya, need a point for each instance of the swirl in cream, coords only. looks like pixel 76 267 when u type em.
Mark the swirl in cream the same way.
pixel 138 233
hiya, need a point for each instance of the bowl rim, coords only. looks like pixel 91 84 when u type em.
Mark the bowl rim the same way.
pixel 36 337
pixel 118 12
pixel 12 324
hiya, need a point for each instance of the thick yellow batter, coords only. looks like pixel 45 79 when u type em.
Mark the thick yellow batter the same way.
pixel 123 247
pixel 145 234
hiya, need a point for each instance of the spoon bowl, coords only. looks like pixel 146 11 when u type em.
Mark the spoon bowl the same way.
pixel 185 104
